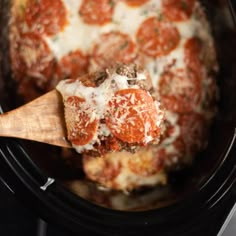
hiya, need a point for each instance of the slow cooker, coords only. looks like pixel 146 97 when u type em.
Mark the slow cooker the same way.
pixel 196 194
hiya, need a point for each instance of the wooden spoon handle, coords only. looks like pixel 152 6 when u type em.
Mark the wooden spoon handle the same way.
pixel 40 120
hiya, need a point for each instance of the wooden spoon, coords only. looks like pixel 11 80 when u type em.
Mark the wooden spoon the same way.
pixel 41 120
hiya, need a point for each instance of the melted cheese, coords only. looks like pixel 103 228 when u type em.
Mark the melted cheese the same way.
pixel 97 100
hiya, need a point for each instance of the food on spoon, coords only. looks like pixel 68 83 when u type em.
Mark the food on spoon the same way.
pixel 112 110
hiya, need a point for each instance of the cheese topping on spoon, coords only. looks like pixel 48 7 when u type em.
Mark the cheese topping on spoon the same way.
pixel 111 110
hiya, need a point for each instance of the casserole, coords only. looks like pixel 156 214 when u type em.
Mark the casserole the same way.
pixel 195 191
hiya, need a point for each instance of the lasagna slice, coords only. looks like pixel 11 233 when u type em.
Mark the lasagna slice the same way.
pixel 112 110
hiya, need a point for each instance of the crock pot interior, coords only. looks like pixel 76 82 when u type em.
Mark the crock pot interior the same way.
pixel 183 184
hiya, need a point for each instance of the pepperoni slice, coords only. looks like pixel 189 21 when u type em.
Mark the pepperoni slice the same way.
pixel 46 16
pixel 79 127
pixel 178 10
pixel 73 65
pixel 157 37
pixel 180 90
pixel 135 3
pixel 194 131
pixel 193 54
pixel 32 57
pixel 114 47
pixel 132 116
pixel 96 12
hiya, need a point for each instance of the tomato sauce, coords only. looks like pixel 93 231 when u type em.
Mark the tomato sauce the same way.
pixel 112 48
pixel 156 37
pixel 178 10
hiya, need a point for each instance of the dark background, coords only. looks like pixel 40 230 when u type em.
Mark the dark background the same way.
pixel 17 220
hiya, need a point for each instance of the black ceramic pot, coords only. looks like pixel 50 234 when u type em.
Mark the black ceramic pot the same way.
pixel 198 190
